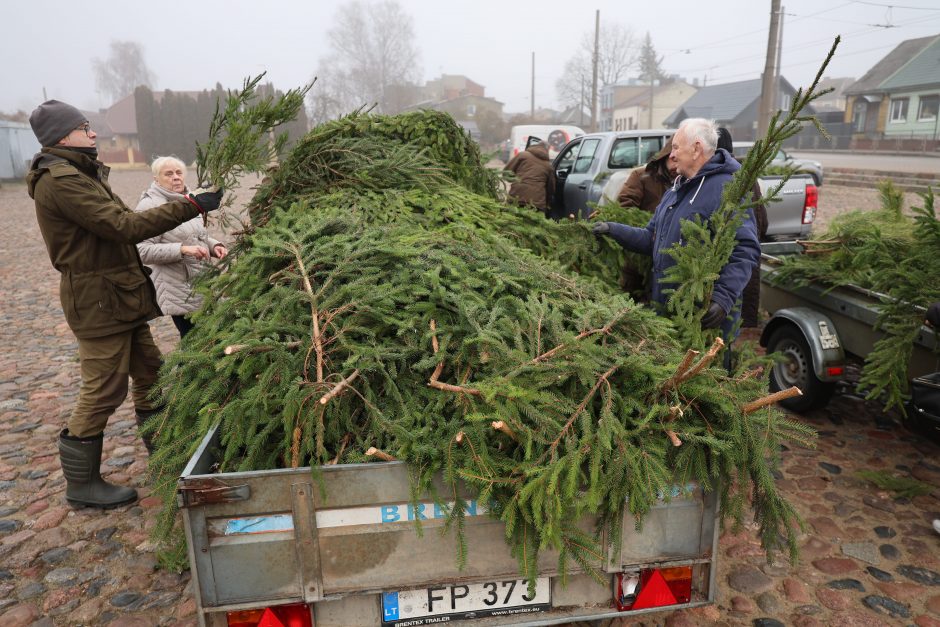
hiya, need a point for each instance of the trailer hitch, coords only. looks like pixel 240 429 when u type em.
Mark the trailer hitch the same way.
pixel 210 491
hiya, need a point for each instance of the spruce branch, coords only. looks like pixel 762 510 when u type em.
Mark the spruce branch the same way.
pixel 380 454
pixel 317 343
pixel 770 399
pixel 605 330
pixel 342 447
pixel 433 381
pixel 582 406
pixel 238 134
pixel 681 369
pixel 502 427
pixel 256 349
pixel 707 358
pixel 339 387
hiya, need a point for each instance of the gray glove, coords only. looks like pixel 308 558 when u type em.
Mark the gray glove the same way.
pixel 714 316
pixel 601 228
pixel 207 199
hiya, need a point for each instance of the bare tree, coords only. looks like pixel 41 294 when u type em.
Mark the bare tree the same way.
pixel 123 71
pixel 372 50
pixel 618 53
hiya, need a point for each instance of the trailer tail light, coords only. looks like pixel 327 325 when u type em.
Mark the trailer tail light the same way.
pixel 297 615
pixel 810 203
pixel 835 371
pixel 652 587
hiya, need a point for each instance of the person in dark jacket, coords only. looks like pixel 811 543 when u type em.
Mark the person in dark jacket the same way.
pixel 535 180
pixel 704 170
pixel 750 299
pixel 644 188
pixel 106 294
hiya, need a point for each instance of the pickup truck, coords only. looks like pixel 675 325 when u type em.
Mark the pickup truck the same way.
pixel 591 170
pixel 286 547
pixel 782 159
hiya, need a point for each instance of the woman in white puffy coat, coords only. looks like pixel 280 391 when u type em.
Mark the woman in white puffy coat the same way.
pixel 176 256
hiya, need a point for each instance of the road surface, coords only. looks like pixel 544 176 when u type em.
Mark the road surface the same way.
pixel 885 163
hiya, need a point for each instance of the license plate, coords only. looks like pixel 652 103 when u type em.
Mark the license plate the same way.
pixel 441 604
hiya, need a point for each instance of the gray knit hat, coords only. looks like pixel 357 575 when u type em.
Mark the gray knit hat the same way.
pixel 53 120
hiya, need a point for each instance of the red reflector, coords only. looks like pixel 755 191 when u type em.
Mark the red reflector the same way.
pixel 268 619
pixel 297 615
pixel 654 592
pixel 810 203
pixel 679 581
pixel 834 371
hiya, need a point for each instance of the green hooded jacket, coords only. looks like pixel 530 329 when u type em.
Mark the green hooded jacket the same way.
pixel 90 235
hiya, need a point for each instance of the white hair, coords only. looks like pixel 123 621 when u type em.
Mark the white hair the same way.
pixel 702 130
pixel 160 162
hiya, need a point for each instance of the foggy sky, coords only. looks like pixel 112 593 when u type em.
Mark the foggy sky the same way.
pixel 191 46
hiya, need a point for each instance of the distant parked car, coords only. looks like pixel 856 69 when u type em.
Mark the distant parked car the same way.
pixel 554 135
pixel 803 166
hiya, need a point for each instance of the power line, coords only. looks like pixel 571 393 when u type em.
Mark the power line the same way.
pixel 792 65
pixel 894 6
pixel 762 31
pixel 911 22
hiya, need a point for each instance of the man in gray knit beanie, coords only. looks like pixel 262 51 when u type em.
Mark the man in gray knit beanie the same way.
pixel 54 120
pixel 106 295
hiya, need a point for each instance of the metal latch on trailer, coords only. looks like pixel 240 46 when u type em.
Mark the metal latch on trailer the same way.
pixel 210 491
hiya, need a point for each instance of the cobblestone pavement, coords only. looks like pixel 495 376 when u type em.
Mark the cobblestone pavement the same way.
pixel 867 558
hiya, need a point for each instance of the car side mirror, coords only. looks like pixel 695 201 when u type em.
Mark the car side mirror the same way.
pixel 561 174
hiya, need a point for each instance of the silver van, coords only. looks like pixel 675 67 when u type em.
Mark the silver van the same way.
pixel 584 167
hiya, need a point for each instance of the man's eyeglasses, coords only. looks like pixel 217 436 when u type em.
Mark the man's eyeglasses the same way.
pixel 84 128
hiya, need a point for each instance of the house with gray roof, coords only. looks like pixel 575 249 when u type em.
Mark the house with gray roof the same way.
pixel 733 105
pixel 899 97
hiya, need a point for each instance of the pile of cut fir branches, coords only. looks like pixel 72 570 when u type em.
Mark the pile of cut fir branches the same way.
pixel 384 305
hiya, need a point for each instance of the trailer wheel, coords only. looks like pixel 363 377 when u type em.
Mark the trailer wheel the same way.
pixel 796 369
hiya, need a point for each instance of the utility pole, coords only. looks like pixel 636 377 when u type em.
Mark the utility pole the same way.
pixel 597 36
pixel 532 97
pixel 770 75
pixel 581 107
pixel 650 125
pixel 44 96
pixel 783 11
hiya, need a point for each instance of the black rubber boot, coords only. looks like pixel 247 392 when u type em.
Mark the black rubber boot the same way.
pixel 81 465
pixel 143 415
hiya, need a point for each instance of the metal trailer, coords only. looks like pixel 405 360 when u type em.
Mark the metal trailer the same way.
pixel 343 549
pixel 817 330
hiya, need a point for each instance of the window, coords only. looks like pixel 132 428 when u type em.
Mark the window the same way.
pixel 566 160
pixel 471 109
pixel 583 163
pixel 629 152
pixel 928 107
pixel 785 102
pixel 898 111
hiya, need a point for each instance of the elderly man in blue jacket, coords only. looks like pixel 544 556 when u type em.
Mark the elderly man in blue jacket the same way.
pixel 703 170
